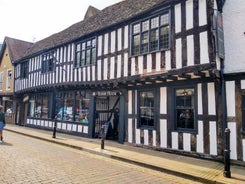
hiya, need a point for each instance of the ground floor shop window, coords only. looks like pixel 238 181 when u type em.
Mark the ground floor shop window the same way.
pixel 39 106
pixel 72 106
pixel 184 108
pixel 65 106
pixel 146 108
pixel 82 107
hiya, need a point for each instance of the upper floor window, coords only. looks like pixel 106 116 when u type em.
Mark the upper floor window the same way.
pixel 185 108
pixel 150 34
pixel 24 70
pixel 146 108
pixel 85 53
pixel 9 79
pixel 47 63
pixel 1 81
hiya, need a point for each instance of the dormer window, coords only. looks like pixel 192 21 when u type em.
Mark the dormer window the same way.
pixel 86 53
pixel 151 34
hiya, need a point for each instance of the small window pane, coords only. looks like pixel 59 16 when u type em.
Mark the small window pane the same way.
pixel 136 44
pixel 154 22
pixel 154 40
pixel 78 47
pixel 164 19
pixel 145 26
pixel 136 28
pixel 164 37
pixel 145 42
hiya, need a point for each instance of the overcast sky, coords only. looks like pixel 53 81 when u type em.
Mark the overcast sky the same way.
pixel 33 20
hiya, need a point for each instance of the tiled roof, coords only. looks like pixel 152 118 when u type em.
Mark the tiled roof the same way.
pixel 17 48
pixel 109 16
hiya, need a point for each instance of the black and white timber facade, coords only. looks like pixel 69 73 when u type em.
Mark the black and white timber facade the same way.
pixel 155 60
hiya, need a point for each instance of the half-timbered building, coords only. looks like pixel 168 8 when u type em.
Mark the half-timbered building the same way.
pixel 154 60
pixel 234 75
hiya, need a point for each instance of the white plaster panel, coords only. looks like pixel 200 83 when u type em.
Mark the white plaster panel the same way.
pixel 190 50
pixel 243 148
pixel 88 73
pixel 149 63
pixel 140 64
pixel 59 125
pixel 146 137
pixel 85 129
pixel 80 128
pixel 234 28
pixel 119 66
pixel 99 69
pixel 74 127
pixel 242 84
pixel 163 100
pixel 230 98
pixel 199 98
pixel 168 60
pixel 204 57
pixel 119 39
pixel 202 12
pixel 113 41
pixel 130 130
pixel 125 65
pixel 112 68
pixel 105 72
pixel 63 126
pixel 69 127
pixel 135 101
pixel 213 137
pixel 50 124
pixel 154 137
pixel 158 61
pixel 93 73
pixel 133 66
pixel 233 140
pixel 178 53
pixel 137 136
pixel 84 73
pixel 189 14
pixel 163 133
pixel 187 141
pixel 200 141
pixel 130 102
pixel 106 37
pixel 177 11
pixel 175 140
pixel 211 99
pixel 100 45
pixel 125 37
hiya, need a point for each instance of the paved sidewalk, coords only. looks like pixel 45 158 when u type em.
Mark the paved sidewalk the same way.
pixel 196 169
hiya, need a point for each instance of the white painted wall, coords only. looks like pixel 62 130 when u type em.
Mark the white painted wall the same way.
pixel 234 28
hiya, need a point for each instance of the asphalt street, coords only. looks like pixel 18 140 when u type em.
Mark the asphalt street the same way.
pixel 28 160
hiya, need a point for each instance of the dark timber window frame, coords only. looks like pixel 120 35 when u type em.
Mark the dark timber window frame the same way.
pixel 151 34
pixel 24 70
pixel 147 108
pixel 48 62
pixel 185 108
pixel 86 52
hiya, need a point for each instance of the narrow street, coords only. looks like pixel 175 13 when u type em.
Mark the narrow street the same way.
pixel 27 160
